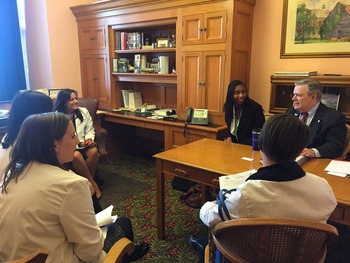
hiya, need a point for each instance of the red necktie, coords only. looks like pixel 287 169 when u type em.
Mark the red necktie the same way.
pixel 304 116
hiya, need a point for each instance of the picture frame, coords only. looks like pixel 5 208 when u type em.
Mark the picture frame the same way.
pixel 162 42
pixel 321 37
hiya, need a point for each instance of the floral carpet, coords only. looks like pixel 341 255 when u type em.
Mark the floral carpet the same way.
pixel 130 185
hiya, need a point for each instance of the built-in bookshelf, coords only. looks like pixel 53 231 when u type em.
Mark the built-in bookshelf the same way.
pixel 336 92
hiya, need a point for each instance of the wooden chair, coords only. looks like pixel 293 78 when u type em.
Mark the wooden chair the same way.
pixel 115 254
pixel 271 240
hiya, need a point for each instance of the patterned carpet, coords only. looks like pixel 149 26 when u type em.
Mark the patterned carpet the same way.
pixel 130 185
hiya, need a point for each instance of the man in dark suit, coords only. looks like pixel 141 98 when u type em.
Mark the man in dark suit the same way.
pixel 328 126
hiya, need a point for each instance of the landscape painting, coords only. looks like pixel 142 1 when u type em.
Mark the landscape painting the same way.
pixel 315 28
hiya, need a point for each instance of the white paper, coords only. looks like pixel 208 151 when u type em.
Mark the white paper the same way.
pixel 105 216
pixel 337 174
pixel 231 181
pixel 338 167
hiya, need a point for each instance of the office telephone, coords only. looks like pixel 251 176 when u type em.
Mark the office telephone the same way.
pixel 197 116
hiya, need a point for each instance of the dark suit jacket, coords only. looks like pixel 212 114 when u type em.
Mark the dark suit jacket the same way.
pixel 252 117
pixel 328 131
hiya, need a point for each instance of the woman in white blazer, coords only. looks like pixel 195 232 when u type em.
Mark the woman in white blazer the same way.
pixel 281 188
pixel 86 159
pixel 50 207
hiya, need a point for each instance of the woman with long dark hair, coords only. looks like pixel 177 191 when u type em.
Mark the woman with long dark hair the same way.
pixel 48 206
pixel 242 114
pixel 86 158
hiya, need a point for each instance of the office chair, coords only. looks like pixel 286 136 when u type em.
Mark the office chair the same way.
pixel 271 240
pixel 115 254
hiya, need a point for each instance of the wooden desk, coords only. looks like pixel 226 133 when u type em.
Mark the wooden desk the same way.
pixel 205 160
pixel 173 130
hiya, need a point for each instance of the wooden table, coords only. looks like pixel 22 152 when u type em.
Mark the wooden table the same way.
pixel 205 160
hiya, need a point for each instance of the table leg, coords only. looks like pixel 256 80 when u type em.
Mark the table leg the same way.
pixel 160 200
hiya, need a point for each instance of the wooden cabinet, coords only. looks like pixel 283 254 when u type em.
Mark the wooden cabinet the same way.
pixel 213 43
pixel 207 28
pixel 282 91
pixel 94 61
pixel 202 77
pixel 92 37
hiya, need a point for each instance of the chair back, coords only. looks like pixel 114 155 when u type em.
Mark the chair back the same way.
pixel 91 104
pixel 273 240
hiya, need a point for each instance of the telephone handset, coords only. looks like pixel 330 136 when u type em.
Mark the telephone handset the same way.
pixel 197 116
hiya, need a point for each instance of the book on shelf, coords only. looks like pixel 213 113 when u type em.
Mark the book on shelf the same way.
pixel 135 99
pixel 295 73
pixel 125 94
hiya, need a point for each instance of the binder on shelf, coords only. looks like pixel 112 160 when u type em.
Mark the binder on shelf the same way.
pixel 125 94
pixel 296 73
pixel 135 100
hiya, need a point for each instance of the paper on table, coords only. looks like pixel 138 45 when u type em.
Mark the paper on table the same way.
pixel 105 216
pixel 338 167
pixel 231 181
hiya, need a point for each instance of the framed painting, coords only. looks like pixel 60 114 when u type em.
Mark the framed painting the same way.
pixel 314 28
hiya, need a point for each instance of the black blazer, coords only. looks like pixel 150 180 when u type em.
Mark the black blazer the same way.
pixel 252 117
pixel 328 131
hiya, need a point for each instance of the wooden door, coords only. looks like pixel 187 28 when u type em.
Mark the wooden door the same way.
pixel 191 90
pixel 88 76
pixel 101 81
pixel 99 37
pixel 214 27
pixel 213 68
pixel 191 29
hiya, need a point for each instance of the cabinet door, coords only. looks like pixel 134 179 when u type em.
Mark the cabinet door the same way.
pixel 99 37
pixel 101 85
pixel 191 29
pixel 95 79
pixel 202 81
pixel 92 37
pixel 177 138
pixel 214 27
pixel 192 80
pixel 88 76
pixel 213 86
pixel 206 28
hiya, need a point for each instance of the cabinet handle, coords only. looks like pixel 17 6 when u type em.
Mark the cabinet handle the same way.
pixel 201 83
pixel 94 78
pixel 180 172
pixel 204 29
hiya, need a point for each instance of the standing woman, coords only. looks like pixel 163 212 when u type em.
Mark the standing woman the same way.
pixel 86 159
pixel 242 114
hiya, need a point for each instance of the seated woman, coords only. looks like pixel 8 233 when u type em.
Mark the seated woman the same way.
pixel 281 188
pixel 48 206
pixel 242 114
pixel 86 158
pixel 25 103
